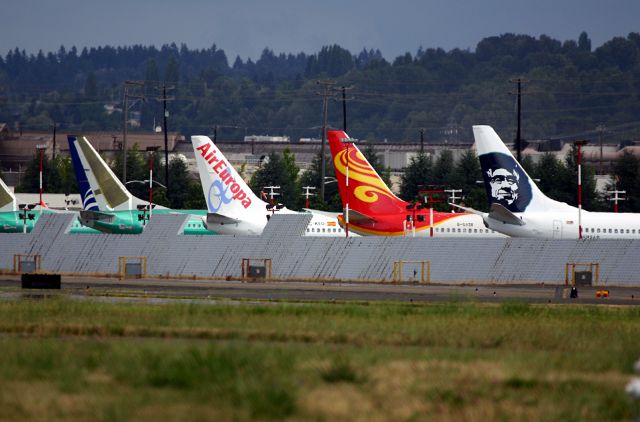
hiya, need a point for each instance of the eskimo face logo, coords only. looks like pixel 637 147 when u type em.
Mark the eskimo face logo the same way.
pixel 217 196
pixel 506 183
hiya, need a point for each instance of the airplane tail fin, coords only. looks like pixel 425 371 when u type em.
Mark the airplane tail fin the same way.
pixel 227 195
pixel 86 194
pixel 506 182
pixel 367 192
pixel 96 178
pixel 7 199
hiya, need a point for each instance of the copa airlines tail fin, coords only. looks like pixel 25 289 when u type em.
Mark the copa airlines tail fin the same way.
pixel 367 193
pixel 99 187
pixel 86 194
pixel 228 197
pixel 7 199
pixel 509 187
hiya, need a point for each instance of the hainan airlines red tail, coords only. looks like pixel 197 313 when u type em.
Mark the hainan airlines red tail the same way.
pixel 367 194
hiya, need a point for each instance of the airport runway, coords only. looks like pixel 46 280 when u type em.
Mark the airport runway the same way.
pixel 318 291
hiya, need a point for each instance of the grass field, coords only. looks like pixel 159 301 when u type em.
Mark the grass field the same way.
pixel 86 360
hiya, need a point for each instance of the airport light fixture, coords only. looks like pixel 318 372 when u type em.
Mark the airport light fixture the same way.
pixel 26 215
pixel 307 193
pixel 614 195
pixel 41 148
pixel 579 144
pixel 152 152
pixel 347 142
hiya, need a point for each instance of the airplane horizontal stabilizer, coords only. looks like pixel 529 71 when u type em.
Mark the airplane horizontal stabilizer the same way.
pixel 214 218
pixel 359 218
pixel 467 209
pixel 96 216
pixel 500 213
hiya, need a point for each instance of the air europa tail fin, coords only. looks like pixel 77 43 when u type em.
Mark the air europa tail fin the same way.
pixel 224 190
pixel 7 199
pixel 506 182
pixel 108 192
pixel 367 192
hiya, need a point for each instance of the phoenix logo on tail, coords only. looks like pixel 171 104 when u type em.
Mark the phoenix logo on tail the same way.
pixel 375 210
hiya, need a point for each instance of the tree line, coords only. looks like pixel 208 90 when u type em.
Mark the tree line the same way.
pixel 571 89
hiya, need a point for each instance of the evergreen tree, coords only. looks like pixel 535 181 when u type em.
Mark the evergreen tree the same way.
pixel 465 175
pixel 372 157
pixel 584 43
pixel 51 179
pixel 312 177
pixel 137 170
pixel 278 171
pixel 417 174
pixel 552 176
pixel 180 182
pixel 626 172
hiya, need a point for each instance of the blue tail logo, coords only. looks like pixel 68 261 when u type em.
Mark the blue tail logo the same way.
pixel 88 198
pixel 217 196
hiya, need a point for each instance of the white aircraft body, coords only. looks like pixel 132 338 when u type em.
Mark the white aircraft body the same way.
pixel 518 208
pixel 233 208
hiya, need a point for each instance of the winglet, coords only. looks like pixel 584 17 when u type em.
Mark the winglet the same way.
pixel 7 199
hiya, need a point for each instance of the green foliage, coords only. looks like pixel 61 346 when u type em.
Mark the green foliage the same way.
pixel 372 157
pixel 418 173
pixel 626 171
pixel 312 178
pixel 279 171
pixel 179 184
pixel 57 176
pixel 573 89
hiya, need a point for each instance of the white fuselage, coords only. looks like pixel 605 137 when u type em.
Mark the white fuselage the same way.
pixel 321 225
pixel 564 225
pixel 463 225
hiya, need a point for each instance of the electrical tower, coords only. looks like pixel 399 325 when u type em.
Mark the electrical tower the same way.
pixel 519 93
pixel 326 93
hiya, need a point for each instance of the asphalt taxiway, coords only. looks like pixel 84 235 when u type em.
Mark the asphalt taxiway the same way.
pixel 328 291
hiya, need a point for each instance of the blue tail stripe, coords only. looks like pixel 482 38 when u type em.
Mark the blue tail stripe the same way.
pixel 88 200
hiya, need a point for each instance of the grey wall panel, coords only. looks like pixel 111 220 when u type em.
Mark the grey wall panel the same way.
pixel 171 253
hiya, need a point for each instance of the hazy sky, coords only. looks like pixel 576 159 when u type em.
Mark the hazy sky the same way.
pixel 246 27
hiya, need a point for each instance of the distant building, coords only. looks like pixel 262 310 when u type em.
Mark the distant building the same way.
pixel 266 138
pixel 5 132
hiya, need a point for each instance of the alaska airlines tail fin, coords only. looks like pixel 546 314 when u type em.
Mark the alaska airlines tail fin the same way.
pixel 367 193
pixel 99 187
pixel 506 182
pixel 227 195
pixel 7 199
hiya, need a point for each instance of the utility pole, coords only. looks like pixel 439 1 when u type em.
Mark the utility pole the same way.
pixel 580 144
pixel 601 129
pixel 53 155
pixel 326 92
pixel 125 116
pixel 165 114
pixel 519 82
pixel 422 141
pixel 344 106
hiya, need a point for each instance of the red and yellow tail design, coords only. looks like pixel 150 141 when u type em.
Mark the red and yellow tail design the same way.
pixel 367 193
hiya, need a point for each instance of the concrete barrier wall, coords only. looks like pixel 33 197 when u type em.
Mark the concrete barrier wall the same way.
pixel 171 253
